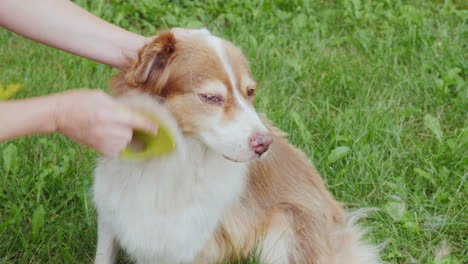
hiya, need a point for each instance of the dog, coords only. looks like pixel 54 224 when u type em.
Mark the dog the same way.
pixel 233 187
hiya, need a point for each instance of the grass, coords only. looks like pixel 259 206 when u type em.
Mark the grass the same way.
pixel 375 92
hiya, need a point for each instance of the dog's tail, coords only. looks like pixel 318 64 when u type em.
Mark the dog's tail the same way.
pixel 349 245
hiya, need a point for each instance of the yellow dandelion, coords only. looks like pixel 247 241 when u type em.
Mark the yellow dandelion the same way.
pixel 10 91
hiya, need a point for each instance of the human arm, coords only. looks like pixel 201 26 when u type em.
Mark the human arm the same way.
pixel 66 26
pixel 89 117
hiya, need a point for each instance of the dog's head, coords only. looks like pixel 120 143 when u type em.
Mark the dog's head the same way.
pixel 206 83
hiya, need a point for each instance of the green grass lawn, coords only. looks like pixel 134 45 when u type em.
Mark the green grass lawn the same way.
pixel 375 92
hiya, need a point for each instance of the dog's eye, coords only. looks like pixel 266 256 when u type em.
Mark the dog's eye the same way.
pixel 250 92
pixel 211 99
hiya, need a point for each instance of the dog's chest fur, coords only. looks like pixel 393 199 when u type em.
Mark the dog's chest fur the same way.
pixel 166 209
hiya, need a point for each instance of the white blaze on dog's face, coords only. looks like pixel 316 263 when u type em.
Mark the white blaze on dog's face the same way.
pixel 230 126
pixel 207 85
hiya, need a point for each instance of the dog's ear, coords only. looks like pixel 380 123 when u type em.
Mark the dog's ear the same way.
pixel 150 72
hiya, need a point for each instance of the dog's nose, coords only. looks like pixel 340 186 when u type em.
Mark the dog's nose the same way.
pixel 260 142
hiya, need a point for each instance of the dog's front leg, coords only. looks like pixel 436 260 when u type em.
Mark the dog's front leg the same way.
pixel 107 250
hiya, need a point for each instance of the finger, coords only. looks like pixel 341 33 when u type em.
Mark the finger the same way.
pixel 112 139
pixel 112 148
pixel 119 133
pixel 107 151
pixel 138 122
pixel 181 32
pixel 123 116
pixel 150 39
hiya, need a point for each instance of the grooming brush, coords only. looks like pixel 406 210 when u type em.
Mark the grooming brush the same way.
pixel 145 146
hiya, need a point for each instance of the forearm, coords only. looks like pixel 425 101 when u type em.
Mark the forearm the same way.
pixel 64 25
pixel 26 117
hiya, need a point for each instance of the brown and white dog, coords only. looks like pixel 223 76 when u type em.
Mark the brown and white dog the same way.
pixel 234 187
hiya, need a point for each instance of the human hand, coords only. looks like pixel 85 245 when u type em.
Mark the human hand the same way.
pixel 177 31
pixel 93 118
pixel 180 32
